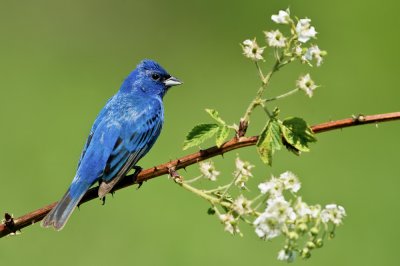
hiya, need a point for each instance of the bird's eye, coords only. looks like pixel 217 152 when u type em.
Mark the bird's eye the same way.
pixel 155 76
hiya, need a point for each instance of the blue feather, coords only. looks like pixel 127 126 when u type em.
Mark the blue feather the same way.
pixel 123 132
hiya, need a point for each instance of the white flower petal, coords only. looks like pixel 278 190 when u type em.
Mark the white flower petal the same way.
pixel 283 17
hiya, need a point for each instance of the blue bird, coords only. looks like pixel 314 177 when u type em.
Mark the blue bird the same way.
pixel 123 132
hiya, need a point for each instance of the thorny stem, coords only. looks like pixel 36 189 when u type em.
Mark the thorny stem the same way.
pixel 13 225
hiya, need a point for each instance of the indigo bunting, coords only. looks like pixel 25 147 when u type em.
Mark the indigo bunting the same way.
pixel 123 132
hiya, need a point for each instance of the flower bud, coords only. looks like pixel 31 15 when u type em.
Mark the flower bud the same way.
pixel 314 231
pixel 305 253
pixel 211 211
pixel 293 235
pixel 319 243
pixel 311 245
pixel 302 228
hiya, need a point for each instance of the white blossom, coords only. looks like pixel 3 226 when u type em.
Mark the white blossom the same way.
pixel 314 53
pixel 282 255
pixel 274 187
pixel 334 213
pixel 283 17
pixel 304 30
pixel 290 181
pixel 242 172
pixel 208 170
pixel 243 167
pixel 306 84
pixel 280 209
pixel 275 38
pixel 241 205
pixel 298 51
pixel 267 227
pixel 269 223
pixel 315 211
pixel 230 224
pixel 304 211
pixel 252 50
pixel 286 255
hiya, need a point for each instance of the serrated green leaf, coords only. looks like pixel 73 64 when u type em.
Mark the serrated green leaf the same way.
pixel 215 115
pixel 199 134
pixel 269 141
pixel 222 134
pixel 297 134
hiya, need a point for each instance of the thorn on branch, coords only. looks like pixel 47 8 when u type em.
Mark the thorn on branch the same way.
pixel 8 221
pixel 359 119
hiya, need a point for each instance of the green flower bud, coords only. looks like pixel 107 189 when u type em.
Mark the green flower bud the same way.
pixel 293 235
pixel 302 228
pixel 311 245
pixel 319 243
pixel 314 231
pixel 305 253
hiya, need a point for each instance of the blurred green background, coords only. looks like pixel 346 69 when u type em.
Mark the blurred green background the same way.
pixel 61 60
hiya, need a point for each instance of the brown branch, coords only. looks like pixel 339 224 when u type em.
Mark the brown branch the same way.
pixel 11 225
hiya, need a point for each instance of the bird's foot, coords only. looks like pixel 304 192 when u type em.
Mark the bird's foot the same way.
pixel 133 176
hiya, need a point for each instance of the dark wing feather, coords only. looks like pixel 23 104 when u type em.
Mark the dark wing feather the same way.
pixel 127 153
pixel 85 148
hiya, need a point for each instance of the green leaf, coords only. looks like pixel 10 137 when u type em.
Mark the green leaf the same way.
pixel 215 115
pixel 222 134
pixel 199 134
pixel 269 141
pixel 297 134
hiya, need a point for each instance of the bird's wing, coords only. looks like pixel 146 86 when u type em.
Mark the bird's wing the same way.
pixel 134 142
pixel 99 119
pixel 85 147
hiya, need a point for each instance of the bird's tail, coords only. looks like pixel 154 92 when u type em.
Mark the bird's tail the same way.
pixel 59 215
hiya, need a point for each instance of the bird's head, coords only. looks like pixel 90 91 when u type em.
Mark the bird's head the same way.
pixel 150 78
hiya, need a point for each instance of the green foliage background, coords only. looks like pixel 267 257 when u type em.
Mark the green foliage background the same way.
pixel 61 60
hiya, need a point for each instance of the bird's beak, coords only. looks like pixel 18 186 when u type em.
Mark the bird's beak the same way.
pixel 171 81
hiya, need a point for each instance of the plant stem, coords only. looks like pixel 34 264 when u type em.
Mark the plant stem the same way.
pixel 283 95
pixel 216 189
pixel 204 195
pixel 229 186
pixel 264 84
pixel 193 179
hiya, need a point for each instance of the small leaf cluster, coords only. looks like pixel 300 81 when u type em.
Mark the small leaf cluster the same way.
pixel 202 132
pixel 292 132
